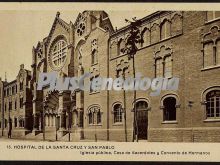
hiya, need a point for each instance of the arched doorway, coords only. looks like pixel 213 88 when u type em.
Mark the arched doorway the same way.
pixel 51 112
pixel 142 119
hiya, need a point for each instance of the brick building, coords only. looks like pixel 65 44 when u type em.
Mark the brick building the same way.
pixel 180 44
pixel 16 104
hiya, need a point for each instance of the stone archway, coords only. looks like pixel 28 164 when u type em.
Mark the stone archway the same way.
pixel 51 110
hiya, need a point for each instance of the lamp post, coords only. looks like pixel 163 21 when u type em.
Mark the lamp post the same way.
pixel 134 38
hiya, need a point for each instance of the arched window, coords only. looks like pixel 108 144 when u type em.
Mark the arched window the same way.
pixel 81 26
pixel 93 57
pixel 21 122
pixel 99 117
pixel 6 123
pixel 211 48
pixel 91 80
pixel 211 15
pixel 117 110
pixel 59 53
pixel 176 25
pixel 163 62
pixel 165 30
pixel 113 49
pixel 21 102
pixel 155 31
pixel 10 105
pixel 146 37
pixel 168 67
pixel 21 86
pixel 159 67
pixel 169 111
pixel 15 104
pixel 12 90
pixel 94 46
pixel 8 92
pixel 213 104
pixel 94 115
pixel 141 105
pixel 208 57
pixel 15 122
pixel 217 56
pixel 121 47
pixel 90 118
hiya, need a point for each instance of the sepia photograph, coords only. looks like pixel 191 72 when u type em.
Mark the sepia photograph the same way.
pixel 102 74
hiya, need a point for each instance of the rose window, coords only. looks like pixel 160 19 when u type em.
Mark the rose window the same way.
pixel 59 53
pixel 81 28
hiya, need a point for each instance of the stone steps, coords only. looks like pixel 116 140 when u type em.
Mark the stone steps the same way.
pixel 74 136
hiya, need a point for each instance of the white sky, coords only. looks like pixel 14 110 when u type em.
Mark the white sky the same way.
pixel 21 30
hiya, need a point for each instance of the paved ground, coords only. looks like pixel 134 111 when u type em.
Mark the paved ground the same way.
pixel 5 139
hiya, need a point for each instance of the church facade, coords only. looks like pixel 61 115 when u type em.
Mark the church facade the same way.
pixel 183 44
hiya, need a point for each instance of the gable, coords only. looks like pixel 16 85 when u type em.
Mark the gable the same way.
pixel 59 27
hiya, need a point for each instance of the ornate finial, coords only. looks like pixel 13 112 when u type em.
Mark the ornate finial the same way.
pixel 58 14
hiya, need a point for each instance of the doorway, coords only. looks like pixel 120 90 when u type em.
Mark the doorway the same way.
pixel 142 119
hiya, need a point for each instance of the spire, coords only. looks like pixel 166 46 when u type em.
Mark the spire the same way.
pixel 58 14
pixel 5 77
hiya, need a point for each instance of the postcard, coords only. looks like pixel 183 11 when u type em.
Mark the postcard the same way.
pixel 110 81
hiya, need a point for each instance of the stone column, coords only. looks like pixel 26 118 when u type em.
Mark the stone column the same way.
pixel 80 118
pixel 40 122
pixel 36 121
pixel 74 118
pixel 62 111
pixel 46 120
pixel 49 120
pixel 54 121
pixel 63 120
